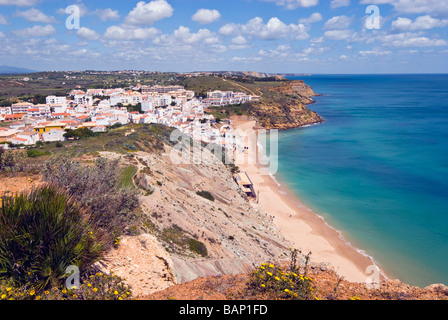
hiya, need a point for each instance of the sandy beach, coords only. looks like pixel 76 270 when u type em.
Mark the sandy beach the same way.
pixel 305 229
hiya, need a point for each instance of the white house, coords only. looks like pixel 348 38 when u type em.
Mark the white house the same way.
pixel 31 137
pixel 53 136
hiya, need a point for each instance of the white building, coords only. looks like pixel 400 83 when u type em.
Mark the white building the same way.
pixel 56 100
pixel 5 110
pixel 21 107
pixel 53 136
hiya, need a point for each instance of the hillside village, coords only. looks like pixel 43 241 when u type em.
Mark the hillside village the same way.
pixel 26 124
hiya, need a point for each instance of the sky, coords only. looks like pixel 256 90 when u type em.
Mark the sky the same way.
pixel 274 36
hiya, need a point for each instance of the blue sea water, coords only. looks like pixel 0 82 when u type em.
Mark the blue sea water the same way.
pixel 377 169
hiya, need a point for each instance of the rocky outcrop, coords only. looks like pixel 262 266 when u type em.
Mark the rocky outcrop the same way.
pixel 285 107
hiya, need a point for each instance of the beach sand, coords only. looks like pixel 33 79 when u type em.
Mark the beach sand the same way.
pixel 303 228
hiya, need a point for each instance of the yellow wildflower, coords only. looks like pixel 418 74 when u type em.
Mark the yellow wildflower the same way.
pixel 89 285
pixel 38 298
pixel 64 291
pixel 47 292
pixel 263 285
pixel 3 296
pixel 32 292
pixel 115 292
pixel 269 273
pixel 8 289
pixel 277 278
pixel 271 266
pixel 75 296
pixel 119 298
pixel 95 289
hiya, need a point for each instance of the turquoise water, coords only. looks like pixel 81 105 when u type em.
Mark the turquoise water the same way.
pixel 377 169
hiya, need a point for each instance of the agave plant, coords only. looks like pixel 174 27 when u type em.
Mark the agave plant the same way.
pixel 42 232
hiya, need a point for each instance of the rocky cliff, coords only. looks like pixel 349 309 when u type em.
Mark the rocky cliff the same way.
pixel 186 236
pixel 285 106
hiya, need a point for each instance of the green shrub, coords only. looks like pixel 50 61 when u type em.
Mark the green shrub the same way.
pixel 12 161
pixel 205 194
pixel 42 233
pixel 197 247
pixel 34 153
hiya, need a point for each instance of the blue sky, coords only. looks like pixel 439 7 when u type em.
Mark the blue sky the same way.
pixel 285 36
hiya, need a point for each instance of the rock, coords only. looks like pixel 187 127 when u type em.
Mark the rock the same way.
pixel 438 288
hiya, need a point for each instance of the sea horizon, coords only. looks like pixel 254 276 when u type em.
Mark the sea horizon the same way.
pixel 367 169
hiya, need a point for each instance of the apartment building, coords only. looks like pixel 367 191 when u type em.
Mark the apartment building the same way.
pixel 56 100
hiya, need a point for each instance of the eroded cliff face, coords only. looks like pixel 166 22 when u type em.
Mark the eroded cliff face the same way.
pixel 285 107
pixel 186 236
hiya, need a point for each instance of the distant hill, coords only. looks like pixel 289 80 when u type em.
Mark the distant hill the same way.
pixel 15 70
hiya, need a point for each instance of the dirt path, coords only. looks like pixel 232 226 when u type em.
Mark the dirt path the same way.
pixel 241 86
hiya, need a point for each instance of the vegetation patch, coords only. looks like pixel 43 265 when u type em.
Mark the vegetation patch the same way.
pixel 127 177
pixel 41 234
pixel 198 247
pixel 206 194
pixel 180 241
pixel 35 153
pixel 273 282
pixel 99 187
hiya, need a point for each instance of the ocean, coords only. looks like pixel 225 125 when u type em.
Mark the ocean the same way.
pixel 377 168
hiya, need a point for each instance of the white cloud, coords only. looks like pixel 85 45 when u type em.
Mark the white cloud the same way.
pixel 107 14
pixel 239 40
pixel 410 39
pixel 338 22
pixel 315 50
pixel 339 34
pixel 19 3
pixel 35 15
pixel 374 53
pixel 3 20
pixel 272 30
pixel 315 17
pixel 339 3
pixel 229 29
pixel 239 43
pixel 294 4
pixel 130 33
pixel 87 34
pixel 183 36
pixel 438 7
pixel 149 13
pixel 35 31
pixel 421 23
pixel 206 16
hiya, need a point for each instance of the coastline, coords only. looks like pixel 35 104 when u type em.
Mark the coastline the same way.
pixel 305 229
